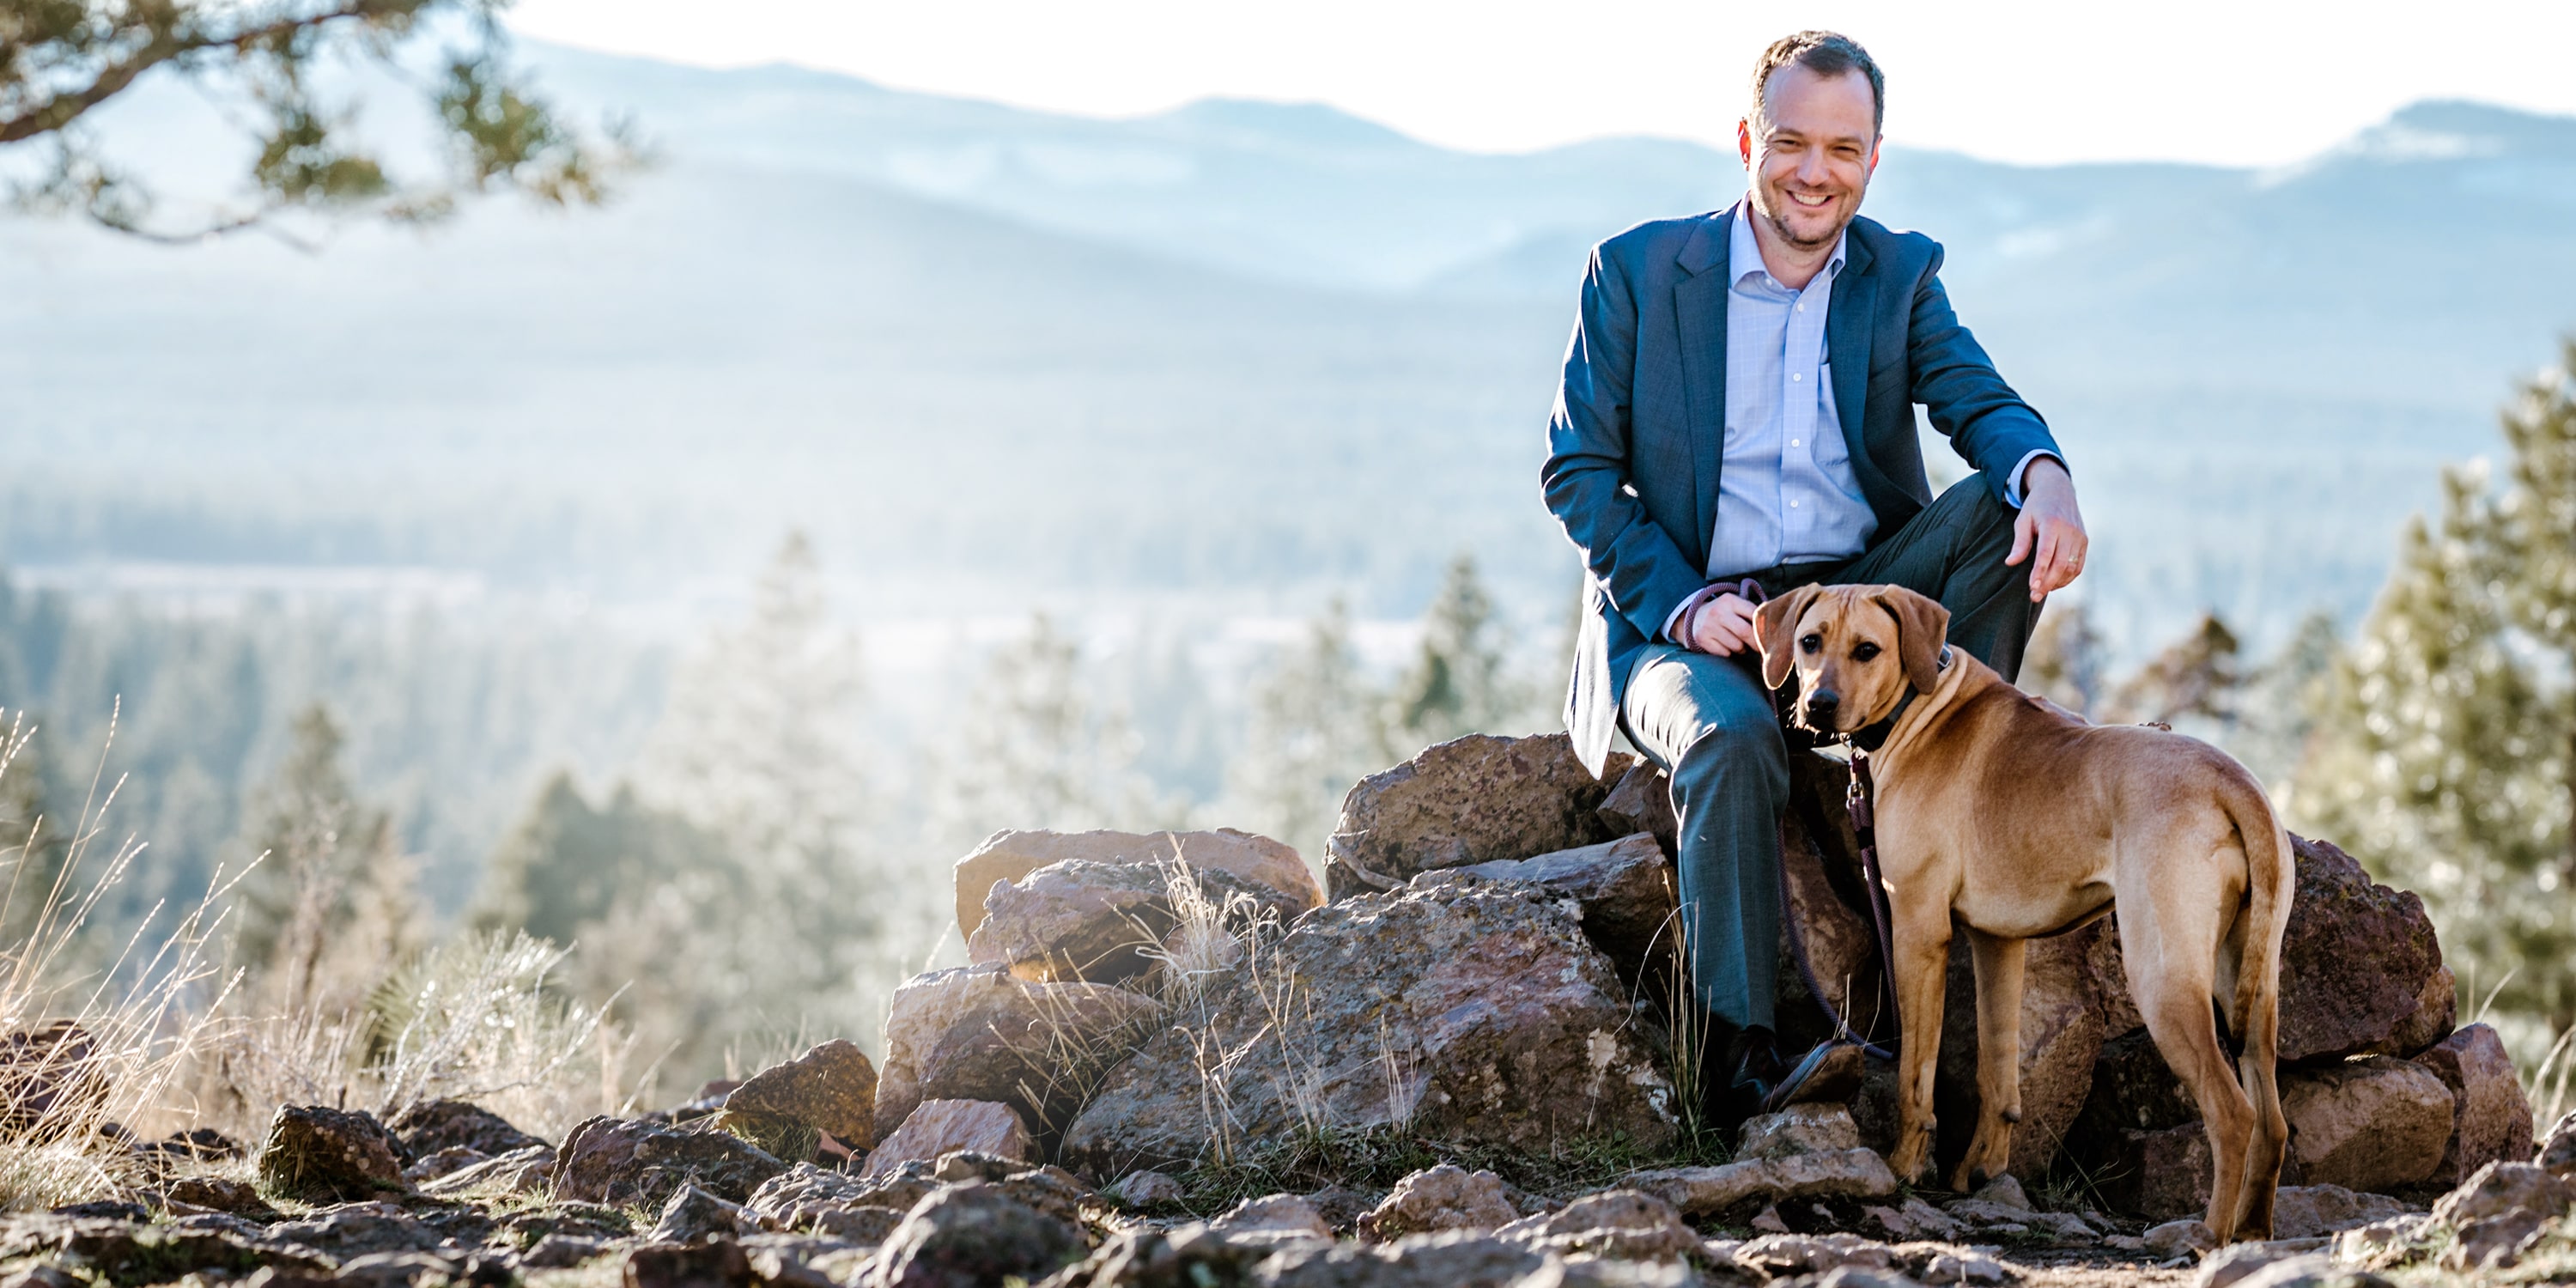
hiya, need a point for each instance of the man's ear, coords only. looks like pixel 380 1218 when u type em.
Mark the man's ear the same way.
pixel 1921 625
pixel 1774 623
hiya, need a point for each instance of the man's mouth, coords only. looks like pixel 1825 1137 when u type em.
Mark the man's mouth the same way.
pixel 1815 201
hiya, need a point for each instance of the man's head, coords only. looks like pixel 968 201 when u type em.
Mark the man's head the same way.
pixel 1854 650
pixel 1811 140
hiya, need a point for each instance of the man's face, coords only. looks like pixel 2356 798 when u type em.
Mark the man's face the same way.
pixel 1812 158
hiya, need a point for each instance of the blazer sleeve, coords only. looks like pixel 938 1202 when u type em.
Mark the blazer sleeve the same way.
pixel 1965 398
pixel 1586 476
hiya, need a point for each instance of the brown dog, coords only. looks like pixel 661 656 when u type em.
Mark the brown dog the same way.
pixel 2005 815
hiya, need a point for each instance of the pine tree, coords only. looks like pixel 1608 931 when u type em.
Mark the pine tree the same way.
pixel 1033 751
pixel 1457 684
pixel 1316 727
pixel 2195 677
pixel 331 904
pixel 2444 755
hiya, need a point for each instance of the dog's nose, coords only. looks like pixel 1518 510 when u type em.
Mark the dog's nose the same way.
pixel 1823 701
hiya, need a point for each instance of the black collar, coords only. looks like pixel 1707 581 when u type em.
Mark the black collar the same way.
pixel 1872 736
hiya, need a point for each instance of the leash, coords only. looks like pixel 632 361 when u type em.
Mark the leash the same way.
pixel 1860 800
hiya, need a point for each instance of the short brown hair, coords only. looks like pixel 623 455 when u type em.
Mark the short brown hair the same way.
pixel 1825 53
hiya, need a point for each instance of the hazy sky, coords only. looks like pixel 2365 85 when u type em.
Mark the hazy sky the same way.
pixel 2247 81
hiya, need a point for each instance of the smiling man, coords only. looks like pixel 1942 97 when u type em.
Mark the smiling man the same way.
pixel 1737 420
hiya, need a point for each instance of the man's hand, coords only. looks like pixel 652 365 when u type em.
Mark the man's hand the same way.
pixel 2050 526
pixel 1721 626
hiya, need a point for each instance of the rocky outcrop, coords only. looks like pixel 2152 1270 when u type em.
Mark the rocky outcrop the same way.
pixel 1009 856
pixel 941 1127
pixel 2368 1125
pixel 1624 887
pixel 1475 799
pixel 2359 964
pixel 1103 922
pixel 631 1162
pixel 324 1155
pixel 1477 1014
pixel 2490 1119
pixel 832 1088
pixel 977 1033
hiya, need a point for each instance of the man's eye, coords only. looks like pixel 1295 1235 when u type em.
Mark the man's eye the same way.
pixel 1810 643
pixel 1865 651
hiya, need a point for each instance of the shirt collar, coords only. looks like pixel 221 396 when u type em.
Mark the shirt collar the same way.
pixel 1744 250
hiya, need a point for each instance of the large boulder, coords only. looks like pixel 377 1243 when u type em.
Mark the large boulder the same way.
pixel 1624 887
pixel 325 1155
pixel 1469 800
pixel 831 1088
pixel 1642 801
pixel 2359 964
pixel 1476 1013
pixel 1008 856
pixel 941 1127
pixel 2491 1120
pixel 627 1162
pixel 2061 1034
pixel 2371 1124
pixel 978 1033
pixel 1102 922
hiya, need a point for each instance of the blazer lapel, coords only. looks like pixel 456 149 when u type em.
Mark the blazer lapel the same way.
pixel 1699 301
pixel 1847 327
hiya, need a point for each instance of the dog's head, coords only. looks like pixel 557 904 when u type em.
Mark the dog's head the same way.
pixel 1855 648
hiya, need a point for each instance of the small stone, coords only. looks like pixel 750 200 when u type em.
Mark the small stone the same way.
pixel 2237 1261
pixel 2367 1124
pixel 1914 1219
pixel 51 1081
pixel 704 1265
pixel 1779 1255
pixel 564 1251
pixel 2492 1119
pixel 695 1216
pixel 221 1194
pixel 521 1171
pixel 2314 1211
pixel 2180 1238
pixel 1799 1129
pixel 977 1033
pixel 831 1088
pixel 1276 1219
pixel 1447 1197
pixel 427 1127
pixel 2004 1191
pixel 325 1155
pixel 1619 1225
pixel 1709 1191
pixel 941 1127
pixel 1768 1220
pixel 2311 1270
pixel 974 1234
pixel 634 1162
pixel 1147 1189
pixel 454 1158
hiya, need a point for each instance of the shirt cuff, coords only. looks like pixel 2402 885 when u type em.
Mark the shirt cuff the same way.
pixel 1674 618
pixel 2012 481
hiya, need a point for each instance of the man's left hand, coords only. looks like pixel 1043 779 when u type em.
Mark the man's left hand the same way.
pixel 2049 526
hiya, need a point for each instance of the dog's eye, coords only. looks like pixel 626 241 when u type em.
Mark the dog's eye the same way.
pixel 1810 643
pixel 1864 651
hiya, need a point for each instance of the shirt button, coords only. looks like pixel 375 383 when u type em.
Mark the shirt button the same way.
pixel 1797 375
pixel 1802 306
pixel 1793 442
pixel 1793 505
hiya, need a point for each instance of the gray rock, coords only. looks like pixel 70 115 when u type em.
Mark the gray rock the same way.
pixel 831 1088
pixel 1105 922
pixel 976 1033
pixel 355 1230
pixel 695 1216
pixel 2499 1210
pixel 1470 800
pixel 973 1235
pixel 1914 1219
pixel 634 1162
pixel 720 1264
pixel 2178 1238
pixel 564 1251
pixel 2370 1124
pixel 1642 801
pixel 521 1171
pixel 2238 1261
pixel 2311 1270
pixel 426 1127
pixel 2313 1211
pixel 2491 1120
pixel 2358 962
pixel 454 1158
pixel 1147 1189
pixel 1621 1225
pixel 1446 1197
pixel 1796 1130
pixel 1272 1220
pixel 1451 1259
pixel 1626 889
pixel 1008 856
pixel 941 1127
pixel 325 1155
pixel 1475 1014
pixel 1780 1255
pixel 1709 1191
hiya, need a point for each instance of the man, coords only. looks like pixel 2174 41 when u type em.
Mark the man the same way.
pixel 1738 403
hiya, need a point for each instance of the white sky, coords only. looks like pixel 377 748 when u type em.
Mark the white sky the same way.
pixel 2242 82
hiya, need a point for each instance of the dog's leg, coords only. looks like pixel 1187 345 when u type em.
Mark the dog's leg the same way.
pixel 2170 939
pixel 1999 964
pixel 1922 967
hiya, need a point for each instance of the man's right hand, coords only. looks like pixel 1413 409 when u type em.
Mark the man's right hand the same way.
pixel 1723 626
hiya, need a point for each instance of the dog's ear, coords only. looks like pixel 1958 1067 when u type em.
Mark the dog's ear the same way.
pixel 1774 623
pixel 1921 625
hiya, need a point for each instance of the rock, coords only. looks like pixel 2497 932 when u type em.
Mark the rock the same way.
pixel 976 1033
pixel 2437 1013
pixel 1913 1219
pixel 51 1081
pixel 806 1197
pixel 968 1236
pixel 325 1155
pixel 2314 1211
pixel 2237 1261
pixel 676 1265
pixel 427 1127
pixel 2491 1120
pixel 695 1216
pixel 1826 915
pixel 1621 1225
pixel 221 1194
pixel 521 1171
pixel 355 1230
pixel 1474 1014
pixel 1451 1259
pixel 2357 961
pixel 2310 1270
pixel 2005 1192
pixel 2061 1035
pixel 1779 1255
pixel 1147 1189
pixel 2500 1209
pixel 2134 1091
pixel 1709 1191
pixel 2160 1175
pixel 198 1144
pixel 1798 1129
pixel 1008 856
pixel 563 1251
pixel 2180 1238
pixel 627 1162
pixel 1143 1257
pixel 1469 800
pixel 2367 1125
pixel 2373 1243
pixel 454 1158
pixel 1447 1197
pixel 122 1252
pixel 1103 922
pixel 1342 1207
pixel 1276 1219
pixel 1642 801
pixel 1856 1277
pixel 831 1088
pixel 1625 888
pixel 945 1126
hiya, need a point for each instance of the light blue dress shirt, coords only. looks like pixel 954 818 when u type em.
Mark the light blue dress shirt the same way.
pixel 1786 492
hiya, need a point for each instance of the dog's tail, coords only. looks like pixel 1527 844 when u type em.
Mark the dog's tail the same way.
pixel 2271 874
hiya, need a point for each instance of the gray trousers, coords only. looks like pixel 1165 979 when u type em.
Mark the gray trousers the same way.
pixel 1713 727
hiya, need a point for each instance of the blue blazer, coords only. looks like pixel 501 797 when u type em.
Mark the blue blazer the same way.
pixel 1640 421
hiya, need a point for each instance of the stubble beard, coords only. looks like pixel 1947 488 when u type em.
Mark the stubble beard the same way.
pixel 1779 221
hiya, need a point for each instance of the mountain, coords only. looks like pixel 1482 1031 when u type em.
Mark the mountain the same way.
pixel 1231 357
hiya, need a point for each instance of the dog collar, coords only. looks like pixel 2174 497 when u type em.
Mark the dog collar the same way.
pixel 1872 736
